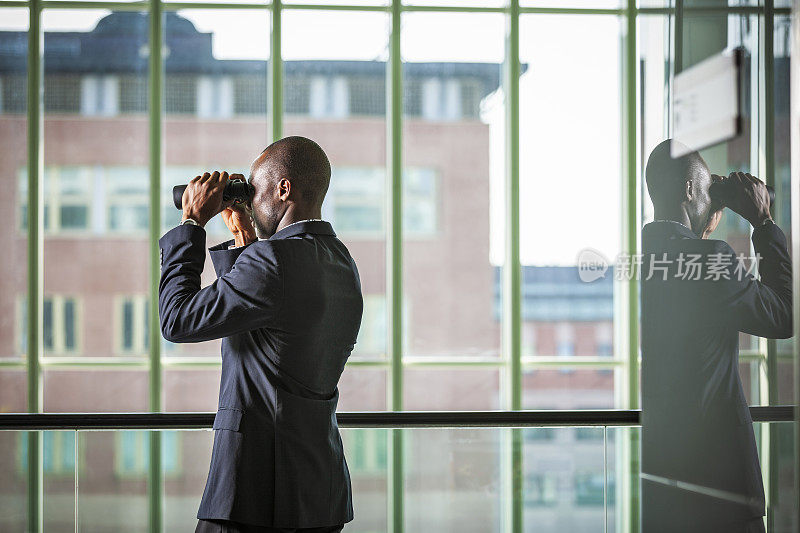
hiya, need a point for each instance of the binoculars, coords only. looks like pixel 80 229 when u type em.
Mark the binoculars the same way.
pixel 721 191
pixel 237 190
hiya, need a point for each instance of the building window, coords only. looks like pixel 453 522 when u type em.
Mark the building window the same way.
pixel 296 95
pixel 214 97
pixel 604 339
pixel 180 94
pixel 541 489
pixel 372 334
pixel 67 199
pixel 250 95
pixel 132 453
pixel 60 325
pixel 58 452
pixel 99 96
pixel 365 450
pixel 441 99
pixel 14 89
pixel 127 199
pixel 132 94
pixel 328 97
pixel 565 339
pixel 412 97
pixel 419 201
pixel 62 93
pixel 355 201
pixel 132 321
pixel 470 98
pixel 367 95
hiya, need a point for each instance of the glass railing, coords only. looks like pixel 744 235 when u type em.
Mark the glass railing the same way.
pixel 575 478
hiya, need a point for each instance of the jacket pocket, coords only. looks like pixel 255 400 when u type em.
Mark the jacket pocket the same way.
pixel 309 461
pixel 229 418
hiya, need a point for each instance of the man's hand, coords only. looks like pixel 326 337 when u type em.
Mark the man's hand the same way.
pixel 237 218
pixel 202 198
pixel 750 198
pixel 715 215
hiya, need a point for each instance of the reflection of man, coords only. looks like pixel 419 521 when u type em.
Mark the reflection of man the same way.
pixel 287 306
pixel 700 469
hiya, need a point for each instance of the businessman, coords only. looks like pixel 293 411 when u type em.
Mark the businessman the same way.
pixel 700 469
pixel 287 305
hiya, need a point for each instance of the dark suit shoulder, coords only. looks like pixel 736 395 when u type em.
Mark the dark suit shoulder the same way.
pixel 715 246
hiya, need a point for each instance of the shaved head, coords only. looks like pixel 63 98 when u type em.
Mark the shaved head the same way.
pixel 290 179
pixel 679 186
pixel 303 163
pixel 666 176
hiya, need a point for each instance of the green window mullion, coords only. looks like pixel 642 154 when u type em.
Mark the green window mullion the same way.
pixel 394 261
pixel 275 72
pixel 513 466
pixel 35 272
pixel 156 85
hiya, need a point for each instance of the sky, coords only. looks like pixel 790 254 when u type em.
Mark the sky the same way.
pixel 570 168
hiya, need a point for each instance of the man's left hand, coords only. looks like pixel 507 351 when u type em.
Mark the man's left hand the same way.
pixel 202 199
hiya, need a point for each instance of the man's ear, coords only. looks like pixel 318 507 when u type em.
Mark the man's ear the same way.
pixel 688 192
pixel 284 189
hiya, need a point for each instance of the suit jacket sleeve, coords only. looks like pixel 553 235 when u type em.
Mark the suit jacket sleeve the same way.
pixel 762 308
pixel 246 297
pixel 222 258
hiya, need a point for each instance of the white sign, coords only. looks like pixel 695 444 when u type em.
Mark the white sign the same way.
pixel 706 106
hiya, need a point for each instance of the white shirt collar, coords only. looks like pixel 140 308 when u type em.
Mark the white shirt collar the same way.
pixel 293 223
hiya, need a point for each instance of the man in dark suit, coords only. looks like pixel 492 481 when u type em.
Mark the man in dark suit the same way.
pixel 287 305
pixel 700 469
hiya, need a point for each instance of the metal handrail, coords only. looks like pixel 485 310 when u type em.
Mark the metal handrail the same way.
pixel 376 419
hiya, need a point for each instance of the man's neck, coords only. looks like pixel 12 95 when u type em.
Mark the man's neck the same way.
pixel 298 214
pixel 680 216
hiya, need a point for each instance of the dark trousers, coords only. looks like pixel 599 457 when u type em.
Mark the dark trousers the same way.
pixel 226 526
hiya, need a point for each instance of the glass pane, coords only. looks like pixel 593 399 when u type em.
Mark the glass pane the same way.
pixel 362 389
pixel 570 388
pixel 453 480
pixel 452 183
pixel 112 492
pixel 195 390
pixel 572 145
pixel 581 4
pixel 90 57
pixel 95 391
pixel 58 466
pixel 457 3
pixel 564 484
pixel 451 389
pixel 13 483
pixel 13 475
pixel 367 455
pixel 335 93
pixel 183 487
pixel 215 113
pixel 782 182
pixel 784 456
pixel 13 176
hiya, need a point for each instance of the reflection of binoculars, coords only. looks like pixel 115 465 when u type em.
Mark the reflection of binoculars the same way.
pixel 237 190
pixel 722 191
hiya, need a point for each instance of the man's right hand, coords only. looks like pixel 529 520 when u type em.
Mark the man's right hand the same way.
pixel 238 221
pixel 750 199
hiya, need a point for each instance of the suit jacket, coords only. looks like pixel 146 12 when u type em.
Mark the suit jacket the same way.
pixel 288 310
pixel 696 425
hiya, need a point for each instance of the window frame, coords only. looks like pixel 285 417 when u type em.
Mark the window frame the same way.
pixel 625 358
